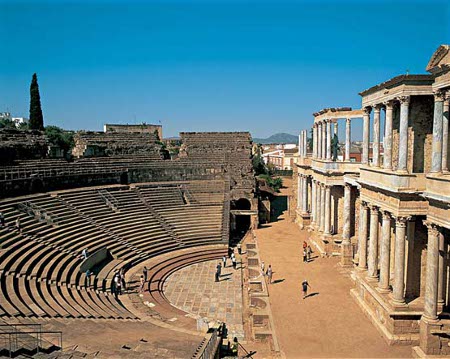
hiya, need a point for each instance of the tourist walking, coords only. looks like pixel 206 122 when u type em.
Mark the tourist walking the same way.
pixel 216 276
pixel 305 244
pixel 118 285
pixel 239 248
pixel 224 261
pixel 305 256
pixel 269 274
pixel 305 286
pixel 262 268
pixel 309 252
pixel 2 219
pixel 219 268
pixel 141 287
pixel 145 272
pixel 233 260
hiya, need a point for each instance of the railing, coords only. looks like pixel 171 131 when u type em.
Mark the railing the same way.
pixel 109 199
pixel 28 338
pixel 210 346
pixel 283 172
pixel 38 212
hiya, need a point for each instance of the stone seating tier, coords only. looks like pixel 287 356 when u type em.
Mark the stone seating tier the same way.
pixel 39 274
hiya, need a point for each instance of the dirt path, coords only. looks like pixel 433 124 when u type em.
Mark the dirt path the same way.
pixel 328 324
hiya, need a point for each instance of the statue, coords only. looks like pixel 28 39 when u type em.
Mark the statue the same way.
pixel 334 147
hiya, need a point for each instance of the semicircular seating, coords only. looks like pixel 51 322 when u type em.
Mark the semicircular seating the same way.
pixel 39 266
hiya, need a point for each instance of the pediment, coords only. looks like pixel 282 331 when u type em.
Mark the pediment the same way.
pixel 440 60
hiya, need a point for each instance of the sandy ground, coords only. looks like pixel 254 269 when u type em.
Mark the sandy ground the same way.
pixel 328 324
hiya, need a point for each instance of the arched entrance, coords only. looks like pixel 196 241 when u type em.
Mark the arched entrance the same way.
pixel 240 222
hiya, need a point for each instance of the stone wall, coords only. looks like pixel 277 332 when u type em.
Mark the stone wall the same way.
pixel 93 144
pixel 142 128
pixel 21 144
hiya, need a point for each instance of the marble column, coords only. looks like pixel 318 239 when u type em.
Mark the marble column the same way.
pixel 376 136
pixel 299 191
pixel 373 244
pixel 432 273
pixel 366 135
pixel 436 153
pixel 387 141
pixel 313 201
pixel 403 137
pixel 442 272
pixel 319 140
pixel 323 209
pixel 305 195
pixel 363 217
pixel 324 139
pixel 319 206
pixel 327 227
pixel 445 119
pixel 385 254
pixel 329 140
pixel 300 145
pixel 348 139
pixel 347 214
pixel 398 293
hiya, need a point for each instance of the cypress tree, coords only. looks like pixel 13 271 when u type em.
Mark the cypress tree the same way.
pixel 36 118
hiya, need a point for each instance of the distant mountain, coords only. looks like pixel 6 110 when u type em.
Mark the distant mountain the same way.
pixel 277 138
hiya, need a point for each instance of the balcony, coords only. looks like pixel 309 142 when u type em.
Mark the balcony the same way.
pixel 335 167
pixel 438 186
pixel 391 180
pixel 303 161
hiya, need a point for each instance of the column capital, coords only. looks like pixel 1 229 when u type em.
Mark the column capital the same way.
pixel 404 99
pixel 386 215
pixel 373 208
pixel 439 95
pixel 433 228
pixel 367 110
pixel 400 221
pixel 389 105
pixel 348 120
pixel 364 204
pixel 347 185
pixel 377 108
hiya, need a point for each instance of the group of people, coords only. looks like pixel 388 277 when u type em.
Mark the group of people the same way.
pixel 230 256
pixel 268 272
pixel 18 223
pixel 307 251
pixel 119 284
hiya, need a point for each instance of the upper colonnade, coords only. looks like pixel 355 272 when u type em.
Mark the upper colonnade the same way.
pixel 326 126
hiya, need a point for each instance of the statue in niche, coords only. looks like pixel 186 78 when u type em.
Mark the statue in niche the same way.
pixel 334 147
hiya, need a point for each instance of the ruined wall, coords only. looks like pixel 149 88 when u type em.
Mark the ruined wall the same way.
pixel 93 144
pixel 142 128
pixel 21 145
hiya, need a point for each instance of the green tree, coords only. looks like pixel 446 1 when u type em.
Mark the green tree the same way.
pixel 36 118
pixel 258 165
pixel 5 123
pixel 273 182
pixel 59 137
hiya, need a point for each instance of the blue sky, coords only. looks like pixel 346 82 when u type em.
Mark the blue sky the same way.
pixel 259 66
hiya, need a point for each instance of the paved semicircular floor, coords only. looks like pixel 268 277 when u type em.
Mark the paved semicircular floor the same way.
pixel 193 290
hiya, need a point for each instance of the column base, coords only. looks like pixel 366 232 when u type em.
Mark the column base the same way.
pixel 398 304
pixel 383 290
pixel 372 279
pixel 346 254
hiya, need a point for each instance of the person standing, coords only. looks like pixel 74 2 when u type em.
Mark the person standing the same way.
pixel 85 253
pixel 144 273
pixel 305 244
pixel 141 287
pixel 216 276
pixel 305 286
pixel 309 252
pixel 122 279
pixel 118 285
pixel 88 278
pixel 235 347
pixel 224 261
pixel 262 268
pixel 18 225
pixel 305 256
pixel 239 248
pixel 269 274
